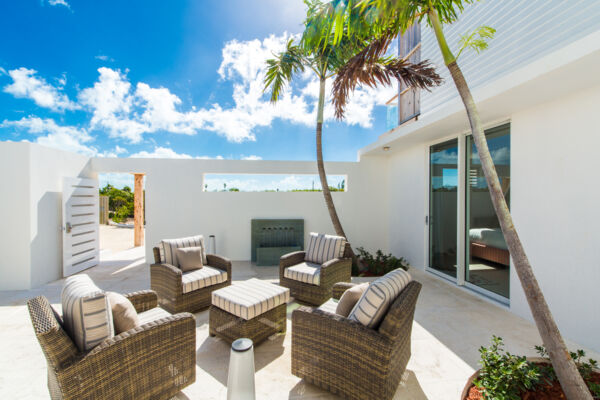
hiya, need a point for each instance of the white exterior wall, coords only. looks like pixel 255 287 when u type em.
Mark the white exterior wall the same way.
pixel 554 203
pixel 31 211
pixel 555 191
pixel 15 217
pixel 526 30
pixel 47 169
pixel 177 206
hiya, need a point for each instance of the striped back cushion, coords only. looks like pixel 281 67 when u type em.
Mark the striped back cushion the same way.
pixel 322 248
pixel 375 301
pixel 87 314
pixel 167 247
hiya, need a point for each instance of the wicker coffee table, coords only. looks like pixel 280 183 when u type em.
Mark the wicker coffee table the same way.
pixel 251 309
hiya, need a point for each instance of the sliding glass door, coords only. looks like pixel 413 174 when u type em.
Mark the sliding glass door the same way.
pixel 443 191
pixel 487 263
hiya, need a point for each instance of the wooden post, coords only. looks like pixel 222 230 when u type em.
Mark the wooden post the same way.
pixel 138 211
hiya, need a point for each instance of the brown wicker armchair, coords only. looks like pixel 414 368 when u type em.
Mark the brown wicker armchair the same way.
pixel 333 271
pixel 347 358
pixel 165 280
pixel 152 361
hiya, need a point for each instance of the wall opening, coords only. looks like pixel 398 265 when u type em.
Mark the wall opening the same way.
pixel 271 183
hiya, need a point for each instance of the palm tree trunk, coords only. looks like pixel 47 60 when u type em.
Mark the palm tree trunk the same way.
pixel 335 220
pixel 569 377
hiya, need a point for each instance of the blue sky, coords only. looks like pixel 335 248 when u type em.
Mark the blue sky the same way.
pixel 165 79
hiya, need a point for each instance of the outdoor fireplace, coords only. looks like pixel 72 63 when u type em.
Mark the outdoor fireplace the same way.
pixel 272 238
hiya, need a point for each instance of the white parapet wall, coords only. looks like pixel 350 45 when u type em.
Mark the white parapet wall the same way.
pixel 31 213
pixel 176 204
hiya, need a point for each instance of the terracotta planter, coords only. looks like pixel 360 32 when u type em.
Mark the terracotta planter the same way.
pixel 469 384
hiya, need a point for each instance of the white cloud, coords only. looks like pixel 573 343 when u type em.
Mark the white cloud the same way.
pixel 59 3
pixel 125 111
pixel 114 153
pixel 66 138
pixel 161 152
pixel 251 157
pixel 27 85
pixel 111 105
pixel 104 57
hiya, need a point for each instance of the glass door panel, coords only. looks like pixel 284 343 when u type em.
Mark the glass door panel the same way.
pixel 443 195
pixel 487 257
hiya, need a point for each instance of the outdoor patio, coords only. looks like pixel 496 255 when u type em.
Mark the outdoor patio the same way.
pixel 450 325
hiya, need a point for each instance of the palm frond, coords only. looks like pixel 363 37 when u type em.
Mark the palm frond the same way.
pixel 365 69
pixel 282 68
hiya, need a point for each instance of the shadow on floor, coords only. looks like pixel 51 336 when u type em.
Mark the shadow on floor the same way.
pixel 213 355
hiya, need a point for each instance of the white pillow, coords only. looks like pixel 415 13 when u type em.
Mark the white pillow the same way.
pixel 375 301
pixel 322 248
pixel 87 313
pixel 167 248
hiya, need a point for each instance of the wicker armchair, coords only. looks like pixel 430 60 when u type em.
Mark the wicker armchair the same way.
pixel 347 358
pixel 333 271
pixel 165 280
pixel 153 361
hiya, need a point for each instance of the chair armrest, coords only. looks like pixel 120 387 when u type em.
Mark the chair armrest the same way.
pixel 221 263
pixel 165 277
pixel 340 287
pixel 143 300
pixel 341 338
pixel 289 260
pixel 164 349
pixel 336 270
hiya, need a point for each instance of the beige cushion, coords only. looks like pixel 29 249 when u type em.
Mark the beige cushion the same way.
pixel 201 278
pixel 86 312
pixel 189 258
pixel 350 298
pixel 251 298
pixel 167 248
pixel 322 248
pixel 304 272
pixel 375 301
pixel 152 315
pixel 124 315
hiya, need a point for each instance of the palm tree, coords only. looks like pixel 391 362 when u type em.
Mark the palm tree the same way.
pixel 325 59
pixel 388 18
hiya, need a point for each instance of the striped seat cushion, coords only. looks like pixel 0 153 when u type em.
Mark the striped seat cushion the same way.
pixel 322 248
pixel 201 278
pixel 375 301
pixel 250 298
pixel 304 272
pixel 152 315
pixel 167 247
pixel 87 314
pixel 329 306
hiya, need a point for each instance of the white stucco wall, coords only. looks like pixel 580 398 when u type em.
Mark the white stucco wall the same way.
pixel 15 217
pixel 554 202
pixel 555 165
pixel 177 206
pixel 47 169
pixel 31 211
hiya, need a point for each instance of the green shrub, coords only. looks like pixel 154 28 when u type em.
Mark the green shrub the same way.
pixel 122 214
pixel 585 369
pixel 381 264
pixel 505 376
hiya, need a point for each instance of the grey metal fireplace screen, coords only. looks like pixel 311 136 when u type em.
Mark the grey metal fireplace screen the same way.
pixel 272 238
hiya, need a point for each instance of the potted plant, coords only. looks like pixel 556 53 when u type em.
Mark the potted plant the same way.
pixel 505 376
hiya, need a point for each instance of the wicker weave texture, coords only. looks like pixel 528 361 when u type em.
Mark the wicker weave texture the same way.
pixel 153 361
pixel 230 327
pixel 165 280
pixel 349 359
pixel 333 271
